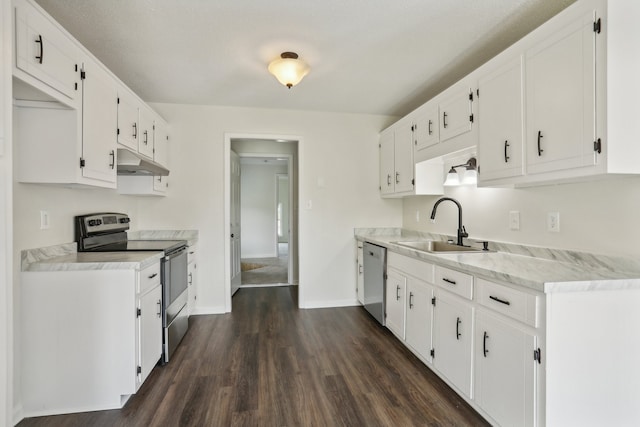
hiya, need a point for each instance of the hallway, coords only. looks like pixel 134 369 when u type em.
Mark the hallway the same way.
pixel 269 364
pixel 266 271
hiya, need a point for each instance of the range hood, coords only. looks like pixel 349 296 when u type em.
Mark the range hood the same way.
pixel 130 163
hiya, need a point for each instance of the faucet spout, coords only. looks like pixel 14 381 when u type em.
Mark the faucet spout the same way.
pixel 462 232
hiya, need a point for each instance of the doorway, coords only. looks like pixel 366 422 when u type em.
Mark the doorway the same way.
pixel 264 224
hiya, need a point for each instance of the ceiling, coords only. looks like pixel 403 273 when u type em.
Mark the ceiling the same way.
pixel 366 56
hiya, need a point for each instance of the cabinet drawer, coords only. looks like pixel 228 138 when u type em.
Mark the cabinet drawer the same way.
pixel 454 281
pixel 149 278
pixel 516 304
pixel 418 269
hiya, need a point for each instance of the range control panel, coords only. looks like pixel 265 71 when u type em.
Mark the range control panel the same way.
pixel 102 223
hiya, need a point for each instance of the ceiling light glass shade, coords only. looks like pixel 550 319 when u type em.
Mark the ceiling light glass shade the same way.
pixel 470 177
pixel 452 178
pixel 289 70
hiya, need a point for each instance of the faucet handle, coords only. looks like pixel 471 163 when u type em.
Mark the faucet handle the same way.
pixel 464 232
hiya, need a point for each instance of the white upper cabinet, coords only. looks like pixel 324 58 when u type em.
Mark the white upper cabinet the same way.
pixel 128 127
pixel 500 130
pixel 426 128
pixel 161 142
pixel 403 158
pixel 46 53
pixel 99 122
pixel 145 139
pixel 387 165
pixel 456 114
pixel 560 97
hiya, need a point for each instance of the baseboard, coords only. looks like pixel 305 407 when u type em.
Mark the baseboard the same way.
pixel 331 304
pixel 198 311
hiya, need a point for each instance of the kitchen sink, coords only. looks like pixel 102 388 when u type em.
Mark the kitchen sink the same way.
pixel 436 246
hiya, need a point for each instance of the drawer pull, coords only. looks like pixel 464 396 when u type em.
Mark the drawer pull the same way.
pixel 501 301
pixel 410 300
pixel 41 56
pixel 444 279
pixel 458 321
pixel 484 344
pixel 153 275
pixel 159 312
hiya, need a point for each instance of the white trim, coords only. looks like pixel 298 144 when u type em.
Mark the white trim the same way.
pixel 265 285
pixel 332 304
pixel 227 205
pixel 216 309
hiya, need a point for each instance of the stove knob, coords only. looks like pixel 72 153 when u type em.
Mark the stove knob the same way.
pixel 124 220
pixel 92 222
pixel 99 221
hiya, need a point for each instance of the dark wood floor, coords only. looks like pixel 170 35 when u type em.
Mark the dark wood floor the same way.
pixel 270 364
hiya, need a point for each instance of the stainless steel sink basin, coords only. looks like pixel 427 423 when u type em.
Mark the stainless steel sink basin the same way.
pixel 436 246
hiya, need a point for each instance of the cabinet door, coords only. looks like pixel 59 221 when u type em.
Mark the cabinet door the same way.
pixel 403 158
pixel 360 274
pixel 160 184
pixel 150 324
pixel 560 74
pixel 387 169
pixel 46 53
pixel 395 302
pixel 128 126
pixel 500 105
pixel 505 371
pixel 145 140
pixel 161 143
pixel 455 113
pixel 426 129
pixel 99 123
pixel 192 290
pixel 453 335
pixel 419 317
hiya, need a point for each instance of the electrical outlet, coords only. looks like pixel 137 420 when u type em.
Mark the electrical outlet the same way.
pixel 44 220
pixel 514 220
pixel 553 222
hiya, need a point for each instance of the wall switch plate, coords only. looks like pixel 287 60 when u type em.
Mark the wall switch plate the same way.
pixel 514 220
pixel 553 222
pixel 44 220
pixel 417 216
pixel 309 205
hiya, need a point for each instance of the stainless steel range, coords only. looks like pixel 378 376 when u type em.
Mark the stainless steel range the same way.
pixel 107 232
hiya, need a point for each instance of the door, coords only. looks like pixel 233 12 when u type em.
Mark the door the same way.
pixel 455 113
pixel 145 139
pixel 282 214
pixel 500 140
pixel 403 158
pixel 560 75
pixel 150 324
pixel 235 223
pixel 453 329
pixel 505 371
pixel 387 168
pixel 128 127
pixel 99 123
pixel 426 130
pixel 395 302
pixel 419 317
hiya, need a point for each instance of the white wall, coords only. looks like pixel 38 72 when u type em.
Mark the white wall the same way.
pixel 599 217
pixel 342 149
pixel 6 212
pixel 258 209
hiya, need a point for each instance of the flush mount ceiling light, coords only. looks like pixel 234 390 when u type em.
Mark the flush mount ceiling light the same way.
pixel 288 69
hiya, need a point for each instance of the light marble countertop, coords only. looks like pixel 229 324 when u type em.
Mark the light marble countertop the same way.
pixel 95 261
pixel 191 236
pixel 540 269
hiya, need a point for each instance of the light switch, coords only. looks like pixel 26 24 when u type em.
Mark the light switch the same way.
pixel 514 220
pixel 44 220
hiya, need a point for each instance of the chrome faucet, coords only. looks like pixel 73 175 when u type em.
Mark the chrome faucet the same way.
pixel 462 232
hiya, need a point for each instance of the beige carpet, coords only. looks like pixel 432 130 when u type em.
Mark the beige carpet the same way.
pixel 265 271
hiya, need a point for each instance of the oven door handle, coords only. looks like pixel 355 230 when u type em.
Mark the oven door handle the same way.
pixel 174 254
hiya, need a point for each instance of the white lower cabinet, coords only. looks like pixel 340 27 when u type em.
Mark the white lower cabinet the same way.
pixel 505 370
pixel 150 322
pixel 192 278
pixel 360 273
pixel 395 302
pixel 419 317
pixel 452 339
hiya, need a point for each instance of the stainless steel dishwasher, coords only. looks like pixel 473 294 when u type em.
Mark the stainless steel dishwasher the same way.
pixel 375 273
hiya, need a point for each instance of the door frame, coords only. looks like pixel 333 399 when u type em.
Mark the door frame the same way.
pixel 227 207
pixel 280 176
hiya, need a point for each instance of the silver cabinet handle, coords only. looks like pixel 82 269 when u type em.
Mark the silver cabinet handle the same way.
pixel 397 292
pixel 153 275
pixel 135 131
pixel 159 313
